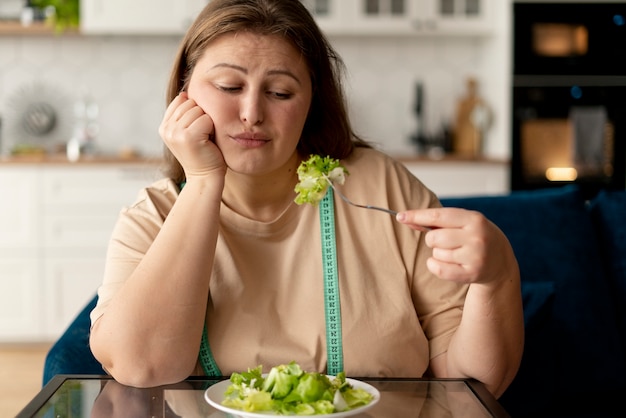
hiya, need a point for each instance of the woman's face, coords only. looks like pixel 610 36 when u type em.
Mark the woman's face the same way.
pixel 257 90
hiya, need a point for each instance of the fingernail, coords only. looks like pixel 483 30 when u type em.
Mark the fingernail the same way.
pixel 400 217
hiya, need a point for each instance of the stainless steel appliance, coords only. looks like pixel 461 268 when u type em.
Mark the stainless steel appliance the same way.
pixel 569 94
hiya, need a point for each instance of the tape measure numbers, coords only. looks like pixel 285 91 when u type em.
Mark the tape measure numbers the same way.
pixel 332 303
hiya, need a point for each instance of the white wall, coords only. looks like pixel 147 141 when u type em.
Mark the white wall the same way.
pixel 127 77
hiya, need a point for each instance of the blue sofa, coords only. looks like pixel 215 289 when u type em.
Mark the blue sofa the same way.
pixel 572 255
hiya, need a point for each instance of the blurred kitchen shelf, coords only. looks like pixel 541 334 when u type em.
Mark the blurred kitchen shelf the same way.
pixel 10 27
pixel 86 160
pixel 452 158
pixel 456 175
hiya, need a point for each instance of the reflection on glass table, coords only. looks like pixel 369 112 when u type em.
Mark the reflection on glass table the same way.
pixel 101 396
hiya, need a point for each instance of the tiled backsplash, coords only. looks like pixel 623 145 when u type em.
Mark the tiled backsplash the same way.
pixel 127 75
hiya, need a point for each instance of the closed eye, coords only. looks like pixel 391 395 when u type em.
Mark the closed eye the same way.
pixel 280 96
pixel 229 89
pixel 237 89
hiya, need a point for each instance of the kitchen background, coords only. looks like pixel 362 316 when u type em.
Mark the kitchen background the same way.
pixel 125 76
pixel 54 232
pixel 57 215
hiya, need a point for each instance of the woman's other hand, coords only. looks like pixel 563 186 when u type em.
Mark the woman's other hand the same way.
pixel 466 246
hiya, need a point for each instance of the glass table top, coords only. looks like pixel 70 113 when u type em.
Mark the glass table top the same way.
pixel 101 396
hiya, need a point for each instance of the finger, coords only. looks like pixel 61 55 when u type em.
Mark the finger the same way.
pixel 449 238
pixel 433 217
pixel 446 255
pixel 189 116
pixel 202 126
pixel 183 109
pixel 460 273
pixel 174 105
pixel 187 121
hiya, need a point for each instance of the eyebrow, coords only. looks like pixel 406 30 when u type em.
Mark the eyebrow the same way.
pixel 245 71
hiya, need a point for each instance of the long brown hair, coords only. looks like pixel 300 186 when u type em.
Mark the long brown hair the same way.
pixel 327 130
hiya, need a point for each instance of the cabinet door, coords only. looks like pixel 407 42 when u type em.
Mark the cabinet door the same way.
pixel 81 204
pixel 70 282
pixel 138 16
pixel 19 223
pixel 457 179
pixel 80 207
pixel 454 17
pixel 21 299
pixel 334 16
pixel 20 281
pixel 394 17
pixel 402 17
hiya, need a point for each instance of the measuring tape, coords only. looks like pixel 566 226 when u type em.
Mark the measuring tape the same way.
pixel 332 304
pixel 209 365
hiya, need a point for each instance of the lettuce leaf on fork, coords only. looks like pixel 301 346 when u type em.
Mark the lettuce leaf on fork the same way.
pixel 315 175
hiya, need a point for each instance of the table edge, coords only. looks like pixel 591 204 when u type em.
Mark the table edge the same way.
pixel 476 387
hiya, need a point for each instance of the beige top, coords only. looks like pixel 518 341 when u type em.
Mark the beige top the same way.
pixel 266 301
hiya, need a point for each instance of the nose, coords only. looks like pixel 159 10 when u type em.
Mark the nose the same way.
pixel 251 108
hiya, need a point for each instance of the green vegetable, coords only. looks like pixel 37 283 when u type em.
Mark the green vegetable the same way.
pixel 288 390
pixel 311 387
pixel 282 379
pixel 315 176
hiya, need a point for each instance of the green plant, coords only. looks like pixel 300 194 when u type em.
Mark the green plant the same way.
pixel 66 13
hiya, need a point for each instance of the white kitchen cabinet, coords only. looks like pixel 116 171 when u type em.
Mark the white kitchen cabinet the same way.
pixel 454 17
pixel 79 208
pixel 21 299
pixel 18 211
pixel 55 225
pixel 402 17
pixel 333 17
pixel 462 178
pixel 20 304
pixel 138 17
pixel 69 282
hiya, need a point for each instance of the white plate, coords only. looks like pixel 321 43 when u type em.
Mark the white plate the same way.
pixel 215 395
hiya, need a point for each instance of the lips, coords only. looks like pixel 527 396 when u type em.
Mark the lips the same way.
pixel 251 139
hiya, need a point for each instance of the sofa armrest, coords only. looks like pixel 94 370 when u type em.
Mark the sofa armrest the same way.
pixel 71 354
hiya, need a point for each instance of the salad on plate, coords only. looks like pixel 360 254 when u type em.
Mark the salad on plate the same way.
pixel 289 390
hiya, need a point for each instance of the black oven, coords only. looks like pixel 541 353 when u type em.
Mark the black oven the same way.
pixel 569 94
pixel 574 38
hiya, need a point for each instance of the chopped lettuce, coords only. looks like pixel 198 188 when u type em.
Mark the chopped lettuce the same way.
pixel 282 379
pixel 315 176
pixel 288 390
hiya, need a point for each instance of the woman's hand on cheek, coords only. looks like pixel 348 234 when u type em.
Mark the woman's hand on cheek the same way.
pixel 188 133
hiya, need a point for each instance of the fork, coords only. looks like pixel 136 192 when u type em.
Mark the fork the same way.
pixel 348 201
pixel 389 211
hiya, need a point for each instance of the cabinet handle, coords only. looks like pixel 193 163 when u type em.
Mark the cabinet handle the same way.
pixel 421 24
pixel 431 25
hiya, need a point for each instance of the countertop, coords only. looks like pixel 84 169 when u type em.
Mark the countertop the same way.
pixel 61 159
pixel 114 159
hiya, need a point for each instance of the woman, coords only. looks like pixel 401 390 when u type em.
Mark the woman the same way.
pixel 215 269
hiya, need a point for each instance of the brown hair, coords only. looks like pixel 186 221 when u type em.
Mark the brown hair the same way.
pixel 327 130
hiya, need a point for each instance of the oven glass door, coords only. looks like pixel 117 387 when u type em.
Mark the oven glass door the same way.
pixel 570 38
pixel 569 134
